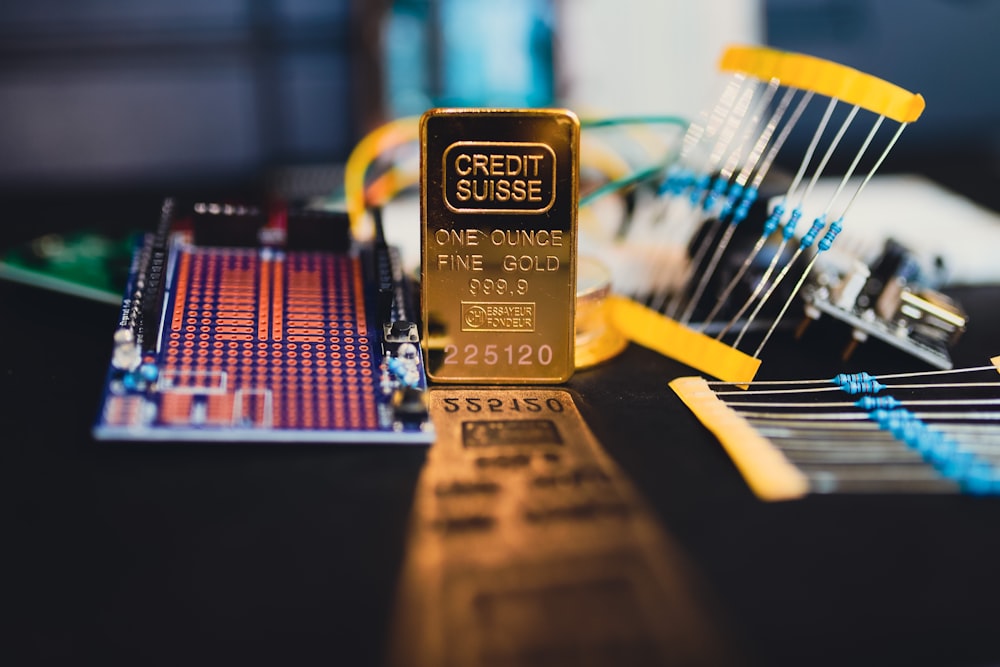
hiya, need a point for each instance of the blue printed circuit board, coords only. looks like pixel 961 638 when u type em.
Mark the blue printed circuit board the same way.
pixel 304 337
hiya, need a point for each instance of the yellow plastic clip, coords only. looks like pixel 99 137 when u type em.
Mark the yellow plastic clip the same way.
pixel 769 474
pixel 825 77
pixel 996 362
pixel 757 61
pixel 660 333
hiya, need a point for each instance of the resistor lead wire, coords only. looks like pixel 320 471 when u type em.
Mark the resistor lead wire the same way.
pixel 818 432
pixel 788 302
pixel 728 132
pixel 677 300
pixel 952 416
pixel 848 404
pixel 756 165
pixel 720 150
pixel 750 163
pixel 854 165
pixel 819 417
pixel 940 385
pixel 796 182
pixel 764 298
pixel 740 154
pixel 818 224
pixel 810 416
pixel 822 248
pixel 786 129
pixel 684 174
pixel 798 208
pixel 875 167
pixel 812 426
pixel 884 376
pixel 758 178
pixel 858 442
pixel 681 175
pixel 810 150
pixel 790 225
pixel 821 167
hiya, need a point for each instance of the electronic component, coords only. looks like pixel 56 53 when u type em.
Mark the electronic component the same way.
pixel 309 229
pixel 498 208
pixel 227 224
pixel 786 443
pixel 888 303
pixel 710 189
pixel 262 343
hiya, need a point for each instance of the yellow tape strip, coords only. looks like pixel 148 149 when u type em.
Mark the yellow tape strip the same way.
pixel 660 333
pixel 826 78
pixel 757 61
pixel 769 474
pixel 996 362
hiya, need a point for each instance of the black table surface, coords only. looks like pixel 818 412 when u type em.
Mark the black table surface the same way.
pixel 178 554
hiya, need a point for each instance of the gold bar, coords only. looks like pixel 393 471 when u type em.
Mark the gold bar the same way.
pixel 499 194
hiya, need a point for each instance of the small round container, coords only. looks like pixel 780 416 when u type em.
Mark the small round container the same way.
pixel 597 340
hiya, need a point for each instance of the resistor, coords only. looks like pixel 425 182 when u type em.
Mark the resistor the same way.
pixel 871 386
pixel 877 402
pixel 844 378
pixel 717 190
pixel 699 186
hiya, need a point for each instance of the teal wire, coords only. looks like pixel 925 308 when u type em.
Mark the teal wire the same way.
pixel 612 121
pixel 621 183
pixel 635 177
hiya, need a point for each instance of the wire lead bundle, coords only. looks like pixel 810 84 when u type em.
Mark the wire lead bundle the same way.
pixel 905 432
pixel 724 158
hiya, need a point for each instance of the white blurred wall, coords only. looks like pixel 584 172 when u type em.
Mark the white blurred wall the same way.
pixel 647 56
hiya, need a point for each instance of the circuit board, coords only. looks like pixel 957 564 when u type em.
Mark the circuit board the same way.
pixel 242 325
pixel 86 264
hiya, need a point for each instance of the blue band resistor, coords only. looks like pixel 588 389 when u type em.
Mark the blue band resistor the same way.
pixel 940 451
pixel 810 237
pixel 773 220
pixel 733 196
pixel 952 461
pixel 718 189
pixel 789 230
pixel 877 402
pixel 855 387
pixel 685 181
pixel 955 462
pixel 883 416
pixel 743 210
pixel 830 236
pixel 917 435
pixel 981 479
pixel 844 378
pixel 669 180
pixel 699 185
pixel 677 179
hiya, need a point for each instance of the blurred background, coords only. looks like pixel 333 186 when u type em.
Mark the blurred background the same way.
pixel 132 96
